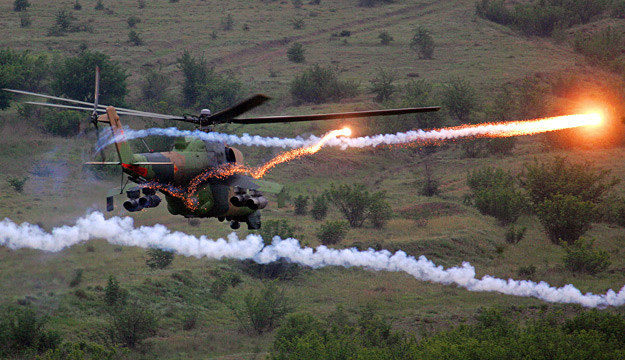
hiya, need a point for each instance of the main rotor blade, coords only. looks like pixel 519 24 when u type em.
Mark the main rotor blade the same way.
pixel 96 95
pixel 244 106
pixel 333 116
pixel 50 97
pixel 62 106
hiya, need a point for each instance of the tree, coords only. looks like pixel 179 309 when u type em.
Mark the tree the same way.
pixel 134 38
pixel 319 207
pixel 581 257
pixel 132 324
pixel 495 193
pixel 565 217
pixel 423 43
pixel 75 78
pixel 382 85
pixel 21 70
pixel 114 295
pixel 332 232
pixel 154 86
pixel 23 332
pixel 301 205
pixel 355 202
pixel 385 38
pixel 62 123
pixel 320 84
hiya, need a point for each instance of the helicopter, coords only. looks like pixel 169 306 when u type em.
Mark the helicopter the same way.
pixel 182 174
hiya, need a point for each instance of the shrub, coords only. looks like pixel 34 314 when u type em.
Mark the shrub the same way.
pixel 601 48
pixel 565 217
pixel 581 257
pixel 332 232
pixel 227 23
pixel 423 43
pixel 527 271
pixel 114 295
pixel 77 5
pixel 261 310
pixel 25 20
pixel 298 24
pixel 318 84
pixel 301 205
pixel 277 270
pixel 159 258
pixel 296 53
pixel 99 5
pixel 355 202
pixel 81 351
pixel 380 211
pixel 132 324
pixel 133 21
pixel 385 38
pixel 494 193
pixel 618 9
pixel 613 210
pixel 23 332
pixel 62 123
pixel 514 235
pixel 460 98
pixel 74 78
pixel 141 4
pixel 319 207
pixel 382 85
pixel 203 87
pixel 543 180
pixel 20 5
pixel 77 278
pixel 501 146
pixel 190 320
pixel 280 228
pixel 494 11
pixel 154 86
pixel 135 38
pixel 17 184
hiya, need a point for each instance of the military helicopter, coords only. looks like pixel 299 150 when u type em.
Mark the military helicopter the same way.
pixel 178 173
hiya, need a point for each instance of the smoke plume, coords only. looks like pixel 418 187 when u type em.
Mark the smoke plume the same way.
pixel 121 231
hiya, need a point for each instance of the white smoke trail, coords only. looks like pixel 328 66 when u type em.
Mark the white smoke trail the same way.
pixel 121 231
pixel 502 129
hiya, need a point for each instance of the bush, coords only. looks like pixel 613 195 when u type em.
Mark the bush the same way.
pixel 203 87
pixel 514 235
pixel 133 21
pixel 380 211
pixel 618 9
pixel 132 324
pixel 494 193
pixel 385 38
pixel 460 99
pixel 18 184
pixel 543 180
pixel 613 210
pixel 319 84
pixel 319 207
pixel 23 332
pixel 262 310
pixel 280 228
pixel 81 351
pixel 301 205
pixel 501 146
pixel 154 86
pixel 99 5
pixel 114 295
pixel 355 202
pixel 227 23
pixel 76 280
pixel 601 48
pixel 495 11
pixel 565 217
pixel 134 38
pixel 159 258
pixel 62 123
pixel 423 43
pixel 332 232
pixel 25 20
pixel 581 257
pixel 382 85
pixel 77 5
pixel 297 25
pixel 296 53
pixel 527 271
pixel 74 78
pixel 20 5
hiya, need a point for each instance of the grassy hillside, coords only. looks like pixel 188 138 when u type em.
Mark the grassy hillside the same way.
pixel 443 228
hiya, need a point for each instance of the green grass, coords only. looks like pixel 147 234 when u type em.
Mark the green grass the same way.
pixel 486 54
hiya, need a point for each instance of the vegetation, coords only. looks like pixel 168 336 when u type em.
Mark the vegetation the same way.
pixel 385 38
pixel 296 53
pixel 159 258
pixel 114 295
pixel 133 21
pixel 20 5
pixel 382 85
pixel 514 235
pixel 319 207
pixel 134 38
pixel 460 99
pixel 581 257
pixel 21 70
pixel 494 193
pixel 203 87
pixel 357 204
pixel 17 183
pixel 132 324
pixel 319 84
pixel 423 43
pixel 261 311
pixel 62 123
pixel 301 205
pixel 272 228
pixel 154 86
pixel 332 232
pixel 23 333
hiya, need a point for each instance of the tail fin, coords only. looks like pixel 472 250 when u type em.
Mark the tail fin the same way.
pixel 123 149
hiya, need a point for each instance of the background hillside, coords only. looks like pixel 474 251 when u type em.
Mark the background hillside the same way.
pixel 542 76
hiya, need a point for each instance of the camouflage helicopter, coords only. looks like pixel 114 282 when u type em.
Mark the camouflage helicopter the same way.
pixel 236 198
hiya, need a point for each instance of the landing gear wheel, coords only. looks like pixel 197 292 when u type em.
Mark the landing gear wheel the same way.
pixel 234 225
